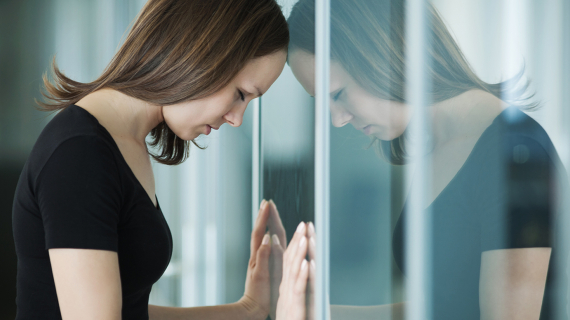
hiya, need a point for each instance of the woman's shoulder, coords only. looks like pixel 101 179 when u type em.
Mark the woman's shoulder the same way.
pixel 513 126
pixel 75 133
pixel 69 122
pixel 514 135
pixel 515 149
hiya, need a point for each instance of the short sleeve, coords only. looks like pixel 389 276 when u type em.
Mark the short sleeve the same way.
pixel 79 195
pixel 517 204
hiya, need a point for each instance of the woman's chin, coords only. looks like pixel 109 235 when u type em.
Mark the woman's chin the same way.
pixel 188 136
pixel 387 136
pixel 382 136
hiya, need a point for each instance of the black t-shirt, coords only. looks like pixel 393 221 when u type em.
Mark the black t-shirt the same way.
pixel 77 191
pixel 503 197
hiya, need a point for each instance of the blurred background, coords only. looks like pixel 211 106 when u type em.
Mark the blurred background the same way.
pixel 210 200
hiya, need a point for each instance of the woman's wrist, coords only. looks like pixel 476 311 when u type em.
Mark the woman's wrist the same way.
pixel 253 311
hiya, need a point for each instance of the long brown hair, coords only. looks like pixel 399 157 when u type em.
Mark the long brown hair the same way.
pixel 179 50
pixel 368 40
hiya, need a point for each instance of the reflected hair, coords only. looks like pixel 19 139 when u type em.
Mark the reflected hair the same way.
pixel 368 40
pixel 177 51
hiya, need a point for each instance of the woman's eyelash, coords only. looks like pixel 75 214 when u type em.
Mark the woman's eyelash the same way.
pixel 241 95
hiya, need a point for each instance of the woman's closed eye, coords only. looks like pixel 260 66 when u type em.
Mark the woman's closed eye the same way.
pixel 241 95
pixel 337 95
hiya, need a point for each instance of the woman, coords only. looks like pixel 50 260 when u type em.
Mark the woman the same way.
pixel 90 236
pixel 493 166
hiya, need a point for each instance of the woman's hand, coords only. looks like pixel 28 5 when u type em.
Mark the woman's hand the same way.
pixel 291 304
pixel 256 299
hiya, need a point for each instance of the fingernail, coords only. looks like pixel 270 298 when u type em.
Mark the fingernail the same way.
pixel 275 239
pixel 303 241
pixel 304 264
pixel 312 227
pixel 262 204
pixel 265 239
pixel 301 227
pixel 313 242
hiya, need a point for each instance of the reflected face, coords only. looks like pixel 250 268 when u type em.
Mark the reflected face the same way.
pixel 350 103
pixel 191 118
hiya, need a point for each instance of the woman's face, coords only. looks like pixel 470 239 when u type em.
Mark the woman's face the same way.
pixel 350 103
pixel 191 118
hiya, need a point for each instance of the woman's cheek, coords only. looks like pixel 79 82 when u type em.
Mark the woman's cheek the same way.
pixel 180 126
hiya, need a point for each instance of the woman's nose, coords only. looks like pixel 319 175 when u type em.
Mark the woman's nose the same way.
pixel 235 116
pixel 340 117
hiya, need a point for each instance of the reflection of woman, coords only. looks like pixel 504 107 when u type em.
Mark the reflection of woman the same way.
pixel 492 164
pixel 90 236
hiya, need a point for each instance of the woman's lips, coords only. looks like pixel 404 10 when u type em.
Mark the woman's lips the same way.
pixel 209 129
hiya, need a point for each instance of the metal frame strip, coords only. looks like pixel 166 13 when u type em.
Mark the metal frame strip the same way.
pixel 418 238
pixel 322 156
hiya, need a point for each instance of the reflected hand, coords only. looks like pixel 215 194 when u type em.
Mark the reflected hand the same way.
pixel 279 244
pixel 256 299
pixel 292 291
pixel 312 236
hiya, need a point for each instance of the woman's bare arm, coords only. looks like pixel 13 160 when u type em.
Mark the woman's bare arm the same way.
pixel 88 283
pixel 240 310
pixel 512 283
pixel 255 303
pixel 88 287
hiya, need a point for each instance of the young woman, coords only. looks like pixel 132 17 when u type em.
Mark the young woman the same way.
pixel 494 168
pixel 90 236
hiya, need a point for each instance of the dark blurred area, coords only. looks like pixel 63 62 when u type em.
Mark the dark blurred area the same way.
pixel 24 54
pixel 83 34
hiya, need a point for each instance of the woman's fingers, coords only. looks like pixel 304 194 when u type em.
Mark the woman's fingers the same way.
pixel 297 259
pixel 294 255
pixel 312 276
pixel 276 272
pixel 262 260
pixel 312 248
pixel 311 291
pixel 301 284
pixel 276 260
pixel 311 230
pixel 299 290
pixel 292 250
pixel 257 285
pixel 259 228
pixel 292 304
pixel 276 225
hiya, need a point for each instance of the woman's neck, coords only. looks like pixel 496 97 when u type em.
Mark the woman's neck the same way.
pixel 464 115
pixel 125 117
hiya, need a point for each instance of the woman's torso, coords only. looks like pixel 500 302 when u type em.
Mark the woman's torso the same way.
pixel 140 236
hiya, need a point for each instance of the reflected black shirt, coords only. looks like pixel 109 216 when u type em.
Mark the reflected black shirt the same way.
pixel 77 191
pixel 502 197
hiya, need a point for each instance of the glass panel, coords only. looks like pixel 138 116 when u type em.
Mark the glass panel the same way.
pixel 287 157
pixel 287 150
pixel 455 133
